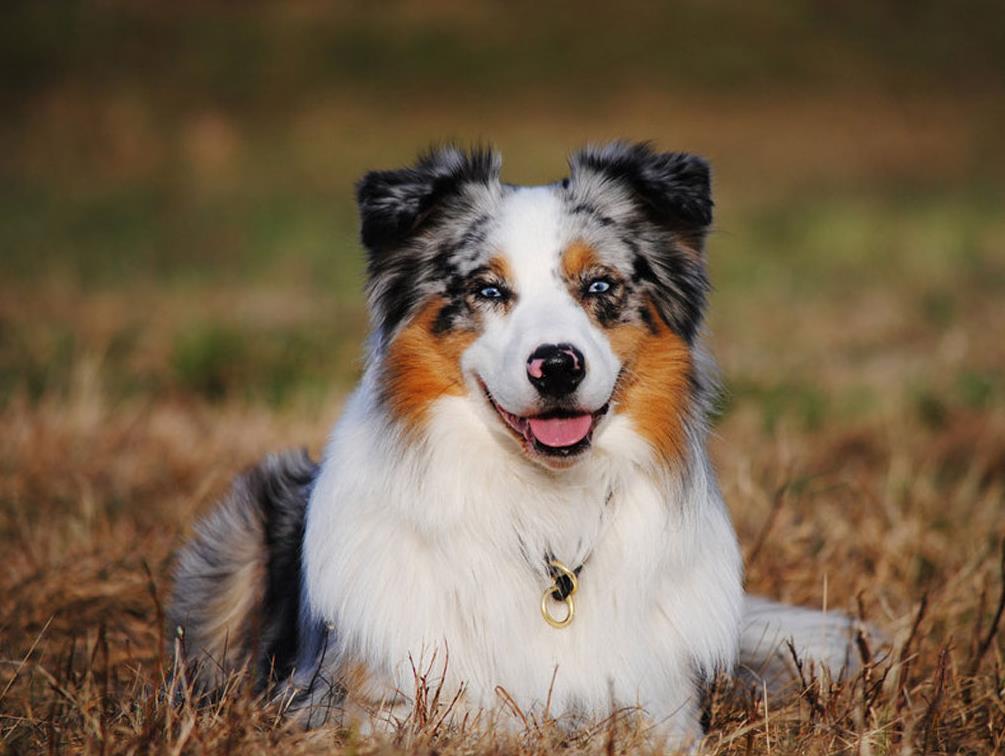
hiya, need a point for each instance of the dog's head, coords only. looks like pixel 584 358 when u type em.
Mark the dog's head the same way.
pixel 550 307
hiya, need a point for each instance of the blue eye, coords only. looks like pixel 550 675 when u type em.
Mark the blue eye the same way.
pixel 599 286
pixel 490 292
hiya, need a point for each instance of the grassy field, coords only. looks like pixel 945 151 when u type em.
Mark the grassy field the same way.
pixel 179 293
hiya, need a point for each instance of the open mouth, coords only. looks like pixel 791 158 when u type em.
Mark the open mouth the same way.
pixel 558 433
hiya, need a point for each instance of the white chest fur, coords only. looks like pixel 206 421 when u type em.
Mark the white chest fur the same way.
pixel 436 557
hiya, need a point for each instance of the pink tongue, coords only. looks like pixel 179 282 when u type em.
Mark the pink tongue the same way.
pixel 561 431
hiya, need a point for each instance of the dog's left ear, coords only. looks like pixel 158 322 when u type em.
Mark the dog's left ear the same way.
pixel 663 201
pixel 673 189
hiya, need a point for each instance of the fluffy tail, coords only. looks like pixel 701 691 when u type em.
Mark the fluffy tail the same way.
pixel 236 590
pixel 774 636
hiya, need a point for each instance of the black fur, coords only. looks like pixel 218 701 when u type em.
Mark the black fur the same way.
pixel 674 188
pixel 393 205
pixel 284 499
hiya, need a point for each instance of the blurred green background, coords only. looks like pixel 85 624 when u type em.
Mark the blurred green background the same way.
pixel 176 210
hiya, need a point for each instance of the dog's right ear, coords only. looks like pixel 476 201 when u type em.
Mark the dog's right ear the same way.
pixel 395 208
pixel 395 205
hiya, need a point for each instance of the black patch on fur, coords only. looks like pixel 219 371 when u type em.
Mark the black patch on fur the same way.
pixel 647 319
pixel 641 270
pixel 673 209
pixel 447 315
pixel 283 496
pixel 673 188
pixel 394 205
pixel 402 294
pixel 608 313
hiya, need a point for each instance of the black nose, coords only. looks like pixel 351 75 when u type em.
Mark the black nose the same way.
pixel 556 369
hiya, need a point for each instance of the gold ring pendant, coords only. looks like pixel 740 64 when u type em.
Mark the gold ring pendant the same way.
pixel 569 603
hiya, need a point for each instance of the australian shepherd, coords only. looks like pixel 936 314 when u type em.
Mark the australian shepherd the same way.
pixel 517 503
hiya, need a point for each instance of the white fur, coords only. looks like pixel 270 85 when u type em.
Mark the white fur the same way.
pixel 426 555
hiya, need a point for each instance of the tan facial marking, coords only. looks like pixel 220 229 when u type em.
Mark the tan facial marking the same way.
pixel 500 266
pixel 577 258
pixel 654 389
pixel 421 366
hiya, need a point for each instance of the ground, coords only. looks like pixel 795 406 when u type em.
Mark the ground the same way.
pixel 179 294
